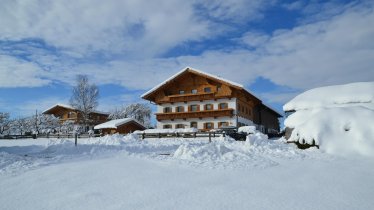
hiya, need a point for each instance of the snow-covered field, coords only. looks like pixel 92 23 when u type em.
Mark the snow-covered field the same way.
pixel 116 172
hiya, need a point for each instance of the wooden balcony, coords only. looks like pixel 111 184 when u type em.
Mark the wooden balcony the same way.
pixel 198 114
pixel 188 97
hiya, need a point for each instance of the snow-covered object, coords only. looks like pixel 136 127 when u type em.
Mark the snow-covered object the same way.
pixel 338 130
pixel 247 129
pixel 178 130
pixel 114 123
pixel 334 96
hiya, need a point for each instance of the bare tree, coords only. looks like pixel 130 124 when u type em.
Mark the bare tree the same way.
pixel 44 123
pixel 21 125
pixel 138 111
pixel 85 98
pixel 4 122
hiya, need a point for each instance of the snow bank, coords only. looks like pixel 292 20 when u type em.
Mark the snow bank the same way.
pixel 257 138
pixel 332 96
pixel 339 130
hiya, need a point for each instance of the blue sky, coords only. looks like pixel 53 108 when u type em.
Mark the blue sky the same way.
pixel 276 49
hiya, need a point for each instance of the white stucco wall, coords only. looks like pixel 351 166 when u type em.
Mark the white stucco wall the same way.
pixel 231 104
pixel 200 122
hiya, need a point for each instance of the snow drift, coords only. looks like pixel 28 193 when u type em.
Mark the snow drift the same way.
pixel 340 119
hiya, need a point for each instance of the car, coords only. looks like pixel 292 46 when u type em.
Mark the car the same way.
pixel 232 131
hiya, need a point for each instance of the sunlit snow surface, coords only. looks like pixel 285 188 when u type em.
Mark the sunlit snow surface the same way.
pixel 116 172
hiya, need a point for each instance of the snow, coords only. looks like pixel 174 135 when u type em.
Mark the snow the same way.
pixel 123 172
pixel 114 123
pixel 352 94
pixel 340 119
pixel 339 130
pixel 191 69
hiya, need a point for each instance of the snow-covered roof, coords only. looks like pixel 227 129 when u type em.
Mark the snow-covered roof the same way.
pixel 72 108
pixel 115 123
pixel 192 70
pixel 338 95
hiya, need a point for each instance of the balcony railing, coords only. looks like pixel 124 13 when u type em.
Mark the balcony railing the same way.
pixel 198 114
pixel 189 97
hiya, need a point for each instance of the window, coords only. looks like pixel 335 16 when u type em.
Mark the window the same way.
pixel 208 106
pixel 223 106
pixel 71 114
pixel 219 88
pixel 194 91
pixel 167 126
pixel 194 108
pixel 239 107
pixel 179 126
pixel 223 124
pixel 181 92
pixel 179 109
pixel 193 125
pixel 207 90
pixel 167 109
pixel 167 93
pixel 209 125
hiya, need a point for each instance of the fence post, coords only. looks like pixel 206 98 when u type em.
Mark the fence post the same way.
pixel 143 135
pixel 210 137
pixel 76 138
pixel 159 135
pixel 194 135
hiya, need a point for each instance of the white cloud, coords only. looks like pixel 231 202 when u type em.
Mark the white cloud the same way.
pixel 137 28
pixel 332 50
pixel 18 73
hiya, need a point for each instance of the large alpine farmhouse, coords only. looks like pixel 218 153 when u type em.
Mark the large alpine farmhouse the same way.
pixel 192 98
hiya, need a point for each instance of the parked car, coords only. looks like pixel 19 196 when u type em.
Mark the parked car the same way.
pixel 232 131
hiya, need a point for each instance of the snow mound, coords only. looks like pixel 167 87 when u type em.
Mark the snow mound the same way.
pixel 332 96
pixel 339 130
pixel 257 138
pixel 210 151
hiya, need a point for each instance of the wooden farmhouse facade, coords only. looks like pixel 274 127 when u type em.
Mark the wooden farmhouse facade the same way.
pixel 66 112
pixel 121 126
pixel 193 98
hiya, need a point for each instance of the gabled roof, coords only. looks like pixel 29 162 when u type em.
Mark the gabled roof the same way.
pixel 71 108
pixel 115 123
pixel 195 71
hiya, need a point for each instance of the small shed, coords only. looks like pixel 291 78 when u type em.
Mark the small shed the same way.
pixel 122 126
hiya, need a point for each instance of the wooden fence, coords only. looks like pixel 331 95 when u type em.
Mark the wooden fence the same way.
pixel 54 135
pixel 209 135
